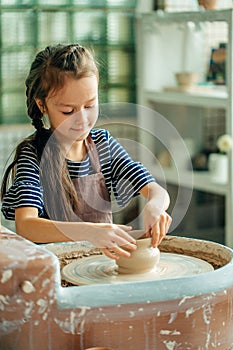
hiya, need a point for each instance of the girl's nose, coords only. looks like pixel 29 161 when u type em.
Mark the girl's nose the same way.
pixel 81 117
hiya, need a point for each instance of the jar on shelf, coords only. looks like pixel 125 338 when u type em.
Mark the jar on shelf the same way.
pixel 208 4
pixel 218 167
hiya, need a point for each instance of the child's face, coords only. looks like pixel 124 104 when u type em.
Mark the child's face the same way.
pixel 73 110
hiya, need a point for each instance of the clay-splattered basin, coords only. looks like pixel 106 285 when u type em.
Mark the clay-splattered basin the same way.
pixel 194 312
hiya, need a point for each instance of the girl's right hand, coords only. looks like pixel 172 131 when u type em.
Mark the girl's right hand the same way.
pixel 112 239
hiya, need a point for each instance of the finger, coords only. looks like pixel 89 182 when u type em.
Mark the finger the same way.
pixel 109 253
pixel 121 251
pixel 168 224
pixel 115 252
pixel 155 232
pixel 122 238
pixel 127 246
pixel 162 233
pixel 148 233
pixel 125 227
pixel 120 230
pixel 164 227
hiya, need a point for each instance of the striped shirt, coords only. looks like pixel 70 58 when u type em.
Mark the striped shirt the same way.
pixel 123 176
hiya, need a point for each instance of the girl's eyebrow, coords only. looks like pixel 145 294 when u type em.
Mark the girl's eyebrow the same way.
pixel 74 104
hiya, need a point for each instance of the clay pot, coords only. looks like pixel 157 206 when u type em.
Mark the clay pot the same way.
pixel 186 78
pixel 143 259
pixel 208 4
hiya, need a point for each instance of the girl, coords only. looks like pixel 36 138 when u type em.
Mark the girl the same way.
pixel 63 175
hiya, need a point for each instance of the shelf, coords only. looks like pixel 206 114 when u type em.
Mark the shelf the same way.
pixel 198 180
pixel 188 16
pixel 212 99
pixel 203 103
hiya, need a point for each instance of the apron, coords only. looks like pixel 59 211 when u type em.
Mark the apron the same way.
pixel 93 196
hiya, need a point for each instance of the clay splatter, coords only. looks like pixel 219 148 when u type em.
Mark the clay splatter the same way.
pixel 6 275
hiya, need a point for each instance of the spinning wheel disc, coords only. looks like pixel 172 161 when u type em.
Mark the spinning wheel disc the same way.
pixel 102 270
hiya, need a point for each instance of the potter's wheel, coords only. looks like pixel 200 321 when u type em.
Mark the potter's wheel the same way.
pixel 102 270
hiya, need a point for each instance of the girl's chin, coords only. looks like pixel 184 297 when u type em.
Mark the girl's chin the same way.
pixel 73 135
pixel 79 135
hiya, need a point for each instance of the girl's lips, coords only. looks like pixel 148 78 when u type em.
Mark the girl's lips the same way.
pixel 78 129
pixel 79 132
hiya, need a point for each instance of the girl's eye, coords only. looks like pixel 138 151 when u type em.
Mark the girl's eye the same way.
pixel 68 113
pixel 89 107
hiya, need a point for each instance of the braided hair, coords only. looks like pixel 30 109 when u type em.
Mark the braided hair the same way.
pixel 47 74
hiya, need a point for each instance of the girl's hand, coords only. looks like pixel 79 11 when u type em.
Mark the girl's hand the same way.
pixel 156 222
pixel 112 239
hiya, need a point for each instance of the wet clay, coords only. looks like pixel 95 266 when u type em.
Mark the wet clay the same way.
pixel 143 259
pixel 215 254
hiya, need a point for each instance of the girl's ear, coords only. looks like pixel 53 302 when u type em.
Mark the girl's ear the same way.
pixel 40 105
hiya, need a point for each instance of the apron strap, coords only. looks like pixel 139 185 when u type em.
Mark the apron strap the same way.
pixel 93 154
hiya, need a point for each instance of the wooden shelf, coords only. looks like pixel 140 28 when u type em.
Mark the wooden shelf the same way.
pixel 213 98
pixel 187 16
pixel 198 180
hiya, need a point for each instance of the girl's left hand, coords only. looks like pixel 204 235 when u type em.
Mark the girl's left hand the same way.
pixel 156 222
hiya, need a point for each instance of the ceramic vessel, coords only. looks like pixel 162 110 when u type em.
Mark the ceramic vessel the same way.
pixel 143 259
pixel 186 78
pixel 208 4
pixel 218 167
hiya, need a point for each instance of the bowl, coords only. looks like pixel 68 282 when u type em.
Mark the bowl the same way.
pixel 186 78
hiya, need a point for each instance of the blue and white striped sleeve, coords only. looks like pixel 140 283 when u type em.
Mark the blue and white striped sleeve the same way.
pixel 25 190
pixel 128 176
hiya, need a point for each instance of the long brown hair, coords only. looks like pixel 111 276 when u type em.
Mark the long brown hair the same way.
pixel 47 74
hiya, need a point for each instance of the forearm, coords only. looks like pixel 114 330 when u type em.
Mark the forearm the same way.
pixel 154 191
pixel 41 230
pixel 113 239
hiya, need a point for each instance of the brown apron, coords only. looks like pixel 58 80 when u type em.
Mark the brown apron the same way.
pixel 93 196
